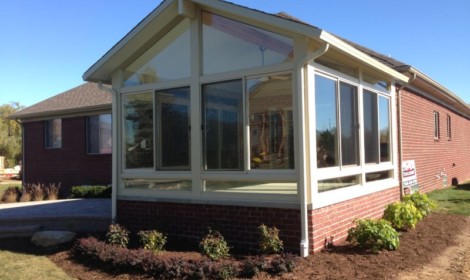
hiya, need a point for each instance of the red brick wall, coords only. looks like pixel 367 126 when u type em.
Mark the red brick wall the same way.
pixel 70 164
pixel 335 220
pixel 433 156
pixel 238 224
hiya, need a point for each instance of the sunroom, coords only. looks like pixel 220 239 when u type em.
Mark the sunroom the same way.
pixel 217 104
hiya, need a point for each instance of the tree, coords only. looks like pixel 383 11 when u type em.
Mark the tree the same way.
pixel 10 134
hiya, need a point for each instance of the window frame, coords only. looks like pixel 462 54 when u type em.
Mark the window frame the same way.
pixel 449 128
pixel 363 187
pixel 99 134
pixel 48 138
pixel 437 129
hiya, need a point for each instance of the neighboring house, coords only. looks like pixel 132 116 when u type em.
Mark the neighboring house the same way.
pixel 230 117
pixel 67 138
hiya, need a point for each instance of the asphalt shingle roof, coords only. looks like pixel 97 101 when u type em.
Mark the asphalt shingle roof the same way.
pixel 82 98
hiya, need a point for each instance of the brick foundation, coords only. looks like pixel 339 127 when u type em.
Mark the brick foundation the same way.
pixel 335 220
pixel 238 224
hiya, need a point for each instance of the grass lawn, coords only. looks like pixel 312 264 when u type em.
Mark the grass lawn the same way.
pixel 453 200
pixel 26 266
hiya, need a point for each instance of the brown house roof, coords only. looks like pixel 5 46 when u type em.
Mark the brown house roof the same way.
pixel 82 99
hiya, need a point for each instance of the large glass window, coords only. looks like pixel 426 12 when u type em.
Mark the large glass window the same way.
pixel 349 125
pixel 325 106
pixel 173 139
pixel 328 146
pixel 99 134
pixel 138 130
pixel 376 111
pixel 168 59
pixel 223 125
pixel 53 133
pixel 231 45
pixel 271 122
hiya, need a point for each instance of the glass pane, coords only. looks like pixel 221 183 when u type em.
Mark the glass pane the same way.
pixel 371 132
pixel 375 176
pixel 105 134
pixel 349 135
pixel 173 129
pixel 384 119
pixel 252 187
pixel 138 130
pixel 376 83
pixel 231 45
pixel 54 133
pixel 154 184
pixel 223 125
pixel 325 106
pixel 168 59
pixel 93 135
pixel 271 122
pixel 337 183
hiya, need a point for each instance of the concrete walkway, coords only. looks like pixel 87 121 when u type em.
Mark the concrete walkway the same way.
pixel 80 215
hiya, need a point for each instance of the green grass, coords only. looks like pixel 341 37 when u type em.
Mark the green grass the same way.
pixel 453 200
pixel 24 266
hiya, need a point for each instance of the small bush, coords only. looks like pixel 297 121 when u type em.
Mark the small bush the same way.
pixel 11 194
pixel 270 243
pixel 283 264
pixel 117 235
pixel 214 246
pixel 227 271
pixel 402 215
pixel 52 191
pixel 36 191
pixel 90 192
pixel 25 195
pixel 374 235
pixel 152 240
pixel 421 202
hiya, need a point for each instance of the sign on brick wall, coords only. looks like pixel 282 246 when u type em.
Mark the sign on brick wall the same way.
pixel 410 179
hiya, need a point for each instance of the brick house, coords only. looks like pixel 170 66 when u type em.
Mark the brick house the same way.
pixel 67 138
pixel 230 117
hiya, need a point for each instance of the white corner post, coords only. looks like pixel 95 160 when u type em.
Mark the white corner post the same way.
pixel 302 142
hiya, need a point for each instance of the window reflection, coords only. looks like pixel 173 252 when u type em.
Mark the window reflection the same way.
pixel 384 129
pixel 231 45
pixel 168 59
pixel 325 106
pixel 223 125
pixel 271 122
pixel 138 126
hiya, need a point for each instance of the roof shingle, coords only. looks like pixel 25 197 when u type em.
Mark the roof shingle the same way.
pixel 81 98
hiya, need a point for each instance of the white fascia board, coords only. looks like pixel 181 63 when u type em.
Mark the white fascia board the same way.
pixel 350 50
pixel 103 68
pixel 438 86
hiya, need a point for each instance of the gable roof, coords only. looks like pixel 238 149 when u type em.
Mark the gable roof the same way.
pixel 79 100
pixel 170 11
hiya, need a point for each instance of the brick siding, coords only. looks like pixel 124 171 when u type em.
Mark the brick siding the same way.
pixel 433 156
pixel 238 224
pixel 69 165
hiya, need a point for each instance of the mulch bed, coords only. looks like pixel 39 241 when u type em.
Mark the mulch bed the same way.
pixel 418 247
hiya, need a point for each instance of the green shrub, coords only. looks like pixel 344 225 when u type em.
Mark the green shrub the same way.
pixel 270 243
pixel 422 202
pixel 152 240
pixel 117 235
pixel 214 246
pixel 90 192
pixel 402 215
pixel 11 194
pixel 374 235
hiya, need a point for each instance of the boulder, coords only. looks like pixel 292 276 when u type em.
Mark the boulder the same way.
pixel 52 238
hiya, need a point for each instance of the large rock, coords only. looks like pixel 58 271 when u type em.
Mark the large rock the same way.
pixel 52 238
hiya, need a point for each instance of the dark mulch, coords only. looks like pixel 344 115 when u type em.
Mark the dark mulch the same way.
pixel 418 248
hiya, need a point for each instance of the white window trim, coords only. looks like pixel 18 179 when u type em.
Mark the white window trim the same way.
pixel 322 199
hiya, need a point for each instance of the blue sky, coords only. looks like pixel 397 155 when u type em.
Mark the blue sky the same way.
pixel 46 46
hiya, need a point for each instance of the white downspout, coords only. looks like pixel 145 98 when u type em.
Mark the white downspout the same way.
pixel 114 150
pixel 304 243
pixel 400 134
